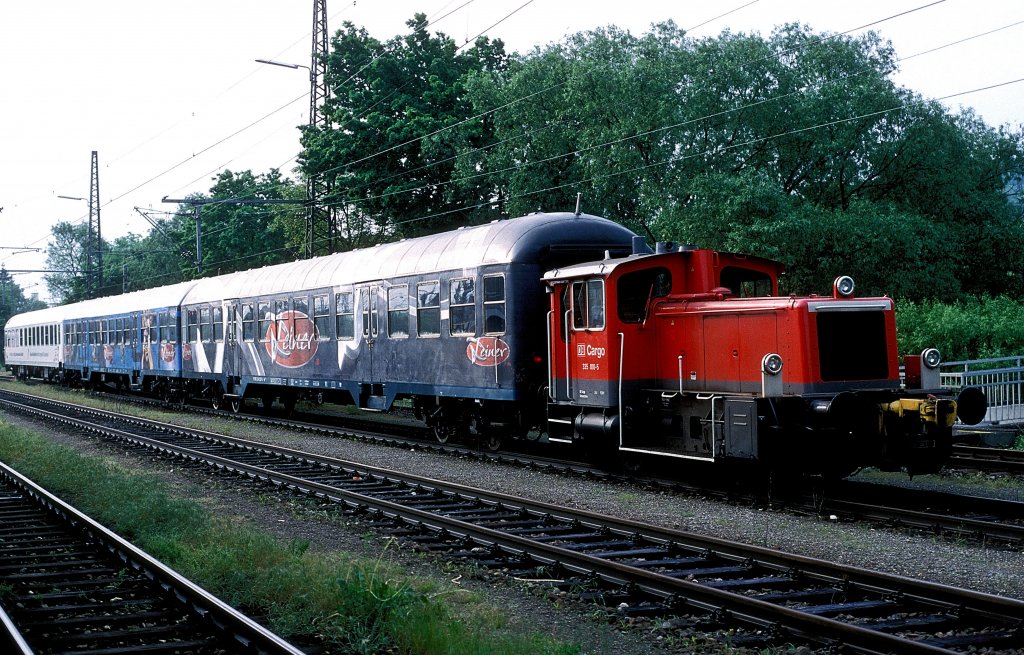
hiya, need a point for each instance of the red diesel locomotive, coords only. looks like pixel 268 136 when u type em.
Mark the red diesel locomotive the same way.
pixel 691 353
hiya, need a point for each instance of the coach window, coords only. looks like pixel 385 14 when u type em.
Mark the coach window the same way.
pixel 462 306
pixel 588 305
pixel 248 323
pixel 398 311
pixel 344 315
pixel 428 309
pixel 205 326
pixel 322 317
pixel 265 317
pixel 218 324
pixel 282 318
pixel 494 304
pixel 301 306
pixel 191 325
pixel 119 331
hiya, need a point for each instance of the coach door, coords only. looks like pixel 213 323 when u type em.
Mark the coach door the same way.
pixel 371 325
pixel 232 336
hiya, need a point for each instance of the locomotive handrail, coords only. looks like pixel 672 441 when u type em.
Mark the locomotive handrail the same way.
pixel 622 360
pixel 551 357
pixel 568 369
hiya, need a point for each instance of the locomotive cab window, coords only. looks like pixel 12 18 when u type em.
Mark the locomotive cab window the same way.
pixel 588 305
pixel 398 311
pixel 745 283
pixel 636 290
pixel 494 304
pixel 462 306
pixel 428 309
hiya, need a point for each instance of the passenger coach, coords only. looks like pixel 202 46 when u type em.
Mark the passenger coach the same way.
pixel 453 320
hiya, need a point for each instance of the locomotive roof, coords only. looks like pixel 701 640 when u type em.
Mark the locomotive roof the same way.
pixel 606 266
pixel 499 242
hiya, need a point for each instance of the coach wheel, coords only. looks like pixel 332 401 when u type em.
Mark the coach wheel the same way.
pixel 217 400
pixel 268 402
pixel 444 431
pixel 236 405
pixel 491 440
pixel 289 402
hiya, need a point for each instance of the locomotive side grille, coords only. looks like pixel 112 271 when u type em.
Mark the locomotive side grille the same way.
pixel 852 346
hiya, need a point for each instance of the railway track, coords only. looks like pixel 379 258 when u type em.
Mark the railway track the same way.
pixel 988 459
pixel 68 585
pixel 990 521
pixel 762 596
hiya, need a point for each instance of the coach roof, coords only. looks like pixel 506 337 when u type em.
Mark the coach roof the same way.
pixel 523 239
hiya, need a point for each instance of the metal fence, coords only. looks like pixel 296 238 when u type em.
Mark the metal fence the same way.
pixel 1002 380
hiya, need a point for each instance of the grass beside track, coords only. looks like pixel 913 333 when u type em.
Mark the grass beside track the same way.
pixel 350 605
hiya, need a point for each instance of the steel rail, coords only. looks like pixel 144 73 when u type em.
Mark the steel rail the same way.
pixel 13 639
pixel 756 612
pixel 249 636
pixel 988 459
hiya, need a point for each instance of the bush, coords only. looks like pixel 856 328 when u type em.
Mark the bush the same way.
pixel 978 328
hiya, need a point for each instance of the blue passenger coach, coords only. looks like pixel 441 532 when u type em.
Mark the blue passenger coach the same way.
pixel 450 320
pixel 126 341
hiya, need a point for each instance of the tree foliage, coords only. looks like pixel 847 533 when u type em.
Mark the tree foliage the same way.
pixel 396 110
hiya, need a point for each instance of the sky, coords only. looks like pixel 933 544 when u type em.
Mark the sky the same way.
pixel 169 93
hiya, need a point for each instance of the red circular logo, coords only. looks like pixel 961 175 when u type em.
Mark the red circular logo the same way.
pixel 167 352
pixel 291 339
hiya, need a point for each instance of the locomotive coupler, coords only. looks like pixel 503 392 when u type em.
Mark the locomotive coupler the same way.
pixel 940 412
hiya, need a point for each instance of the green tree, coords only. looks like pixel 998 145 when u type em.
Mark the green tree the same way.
pixel 243 224
pixel 65 256
pixel 391 152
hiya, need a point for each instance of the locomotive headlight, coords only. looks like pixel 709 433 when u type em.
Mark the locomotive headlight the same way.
pixel 772 364
pixel 931 358
pixel 843 286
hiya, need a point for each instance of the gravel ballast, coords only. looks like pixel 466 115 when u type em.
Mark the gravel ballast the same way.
pixel 914 555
